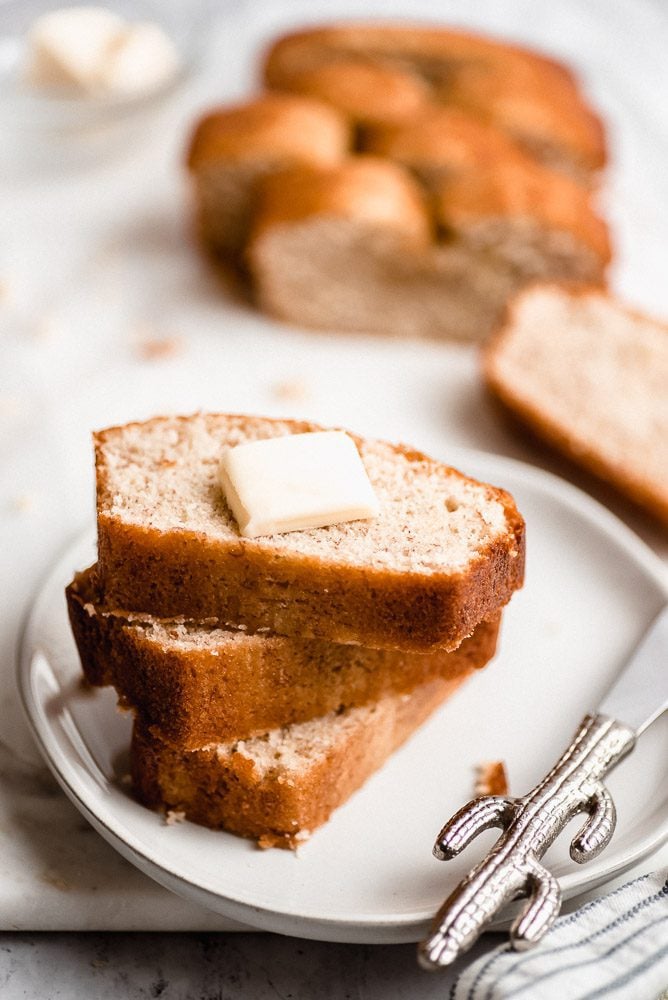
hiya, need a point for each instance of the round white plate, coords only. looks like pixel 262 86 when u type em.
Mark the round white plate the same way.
pixel 368 875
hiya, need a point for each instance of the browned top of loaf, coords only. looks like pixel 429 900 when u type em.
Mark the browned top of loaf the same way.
pixel 434 520
pixel 445 138
pixel 517 189
pixel 368 92
pixel 548 116
pixel 369 190
pixel 274 125
pixel 529 95
pixel 380 194
pixel 478 174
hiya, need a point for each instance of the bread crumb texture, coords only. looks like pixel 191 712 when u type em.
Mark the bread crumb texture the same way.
pixel 164 474
pixel 491 778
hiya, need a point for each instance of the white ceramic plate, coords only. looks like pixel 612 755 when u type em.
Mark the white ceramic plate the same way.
pixel 368 876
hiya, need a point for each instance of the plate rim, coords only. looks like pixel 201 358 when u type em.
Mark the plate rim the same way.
pixel 363 928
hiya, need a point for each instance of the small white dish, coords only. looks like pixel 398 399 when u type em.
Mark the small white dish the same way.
pixel 592 589
pixel 55 127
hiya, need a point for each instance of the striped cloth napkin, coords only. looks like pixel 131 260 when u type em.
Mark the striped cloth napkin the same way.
pixel 615 947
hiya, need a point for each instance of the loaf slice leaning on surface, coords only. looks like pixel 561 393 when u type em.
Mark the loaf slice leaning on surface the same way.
pixel 591 378
pixel 445 553
pixel 279 787
pixel 193 684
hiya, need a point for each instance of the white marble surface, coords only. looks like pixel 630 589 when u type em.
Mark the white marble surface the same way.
pixel 95 259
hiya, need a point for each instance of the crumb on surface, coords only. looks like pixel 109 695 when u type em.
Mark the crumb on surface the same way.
pixel 52 878
pixel 174 816
pixel 291 390
pixel 23 503
pixel 126 780
pixel 10 405
pixel 46 327
pixel 491 778
pixel 154 347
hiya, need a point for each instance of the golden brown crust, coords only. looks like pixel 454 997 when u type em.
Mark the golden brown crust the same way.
pixel 184 573
pixel 232 148
pixel 547 117
pixel 282 127
pixel 441 50
pixel 190 696
pixel 441 140
pixel 227 792
pixel 367 92
pixel 534 98
pixel 369 190
pixel 478 175
pixel 642 492
pixel 505 172
pixel 519 189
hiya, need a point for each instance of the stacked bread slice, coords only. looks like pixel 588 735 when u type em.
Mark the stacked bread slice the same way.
pixel 271 676
pixel 401 180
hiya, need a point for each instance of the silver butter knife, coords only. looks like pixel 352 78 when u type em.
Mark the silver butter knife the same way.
pixel 531 823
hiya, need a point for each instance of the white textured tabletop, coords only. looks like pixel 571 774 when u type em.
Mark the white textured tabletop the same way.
pixel 108 314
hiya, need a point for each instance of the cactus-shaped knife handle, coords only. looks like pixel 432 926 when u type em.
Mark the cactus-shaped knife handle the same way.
pixel 531 823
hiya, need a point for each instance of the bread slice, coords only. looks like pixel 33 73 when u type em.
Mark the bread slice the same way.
pixel 347 247
pixel 233 147
pixel 194 684
pixel 591 378
pixel 534 99
pixel 310 191
pixel 279 787
pixel 445 553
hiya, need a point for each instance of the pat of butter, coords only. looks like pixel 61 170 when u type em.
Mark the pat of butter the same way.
pixel 91 50
pixel 67 47
pixel 295 482
pixel 142 58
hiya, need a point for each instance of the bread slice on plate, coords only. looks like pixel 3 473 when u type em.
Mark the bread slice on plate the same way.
pixel 279 787
pixel 194 684
pixel 445 552
pixel 590 377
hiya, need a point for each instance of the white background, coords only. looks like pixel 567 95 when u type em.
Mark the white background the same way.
pixel 96 258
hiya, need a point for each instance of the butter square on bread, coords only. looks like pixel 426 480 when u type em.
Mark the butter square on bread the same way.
pixel 444 553
pixel 296 481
